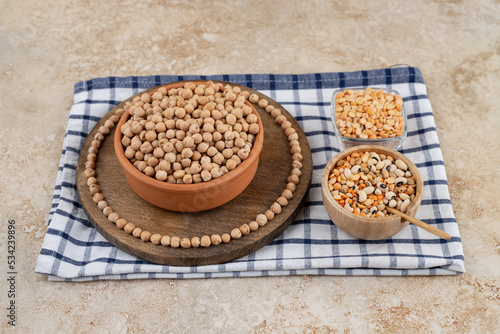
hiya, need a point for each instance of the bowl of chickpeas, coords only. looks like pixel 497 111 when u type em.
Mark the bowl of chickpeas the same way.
pixel 189 146
pixel 368 116
pixel 359 184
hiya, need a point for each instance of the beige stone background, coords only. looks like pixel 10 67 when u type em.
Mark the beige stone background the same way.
pixel 46 46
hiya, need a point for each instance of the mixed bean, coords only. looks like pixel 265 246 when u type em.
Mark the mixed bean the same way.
pixel 365 183
pixel 369 114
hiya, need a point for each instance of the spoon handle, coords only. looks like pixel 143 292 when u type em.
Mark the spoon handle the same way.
pixel 420 223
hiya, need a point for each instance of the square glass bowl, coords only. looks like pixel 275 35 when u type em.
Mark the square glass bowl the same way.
pixel 346 142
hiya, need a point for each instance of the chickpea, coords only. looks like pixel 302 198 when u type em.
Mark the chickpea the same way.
pixel 212 151
pixel 253 98
pixel 185 243
pixel 137 232
pixel 149 171
pixel 92 157
pixel 236 233
pixel 90 172
pixel 206 175
pixel 218 158
pixel 98 197
pixel 129 228
pixel 194 242
pixel 261 219
pixel 276 208
pixel 275 112
pixel 102 204
pixel 254 128
pixel 169 130
pixel 296 149
pixel 245 229
pixel 231 164
pixel 220 145
pixel 282 201
pixel 161 175
pixel 231 119
pixel 280 119
pixel 165 240
pixel 145 236
pixel 215 239
pixel 226 238
pixel 175 242
pixel 286 125
pixel 287 194
pixel 113 217
pixel 253 225
pixel 205 241
pixel 289 132
pixel 252 118
pixel 187 179
pixel 291 186
pixel 120 223
pixel 90 164
pixel 297 156
pixel 269 108
pixel 293 179
pixel 94 189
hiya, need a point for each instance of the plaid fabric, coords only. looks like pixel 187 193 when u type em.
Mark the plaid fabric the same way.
pixel 74 250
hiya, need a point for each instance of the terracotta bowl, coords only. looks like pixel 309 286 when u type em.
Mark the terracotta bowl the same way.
pixel 196 196
pixel 369 228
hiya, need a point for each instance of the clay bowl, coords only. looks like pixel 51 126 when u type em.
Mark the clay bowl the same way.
pixel 196 196
pixel 369 228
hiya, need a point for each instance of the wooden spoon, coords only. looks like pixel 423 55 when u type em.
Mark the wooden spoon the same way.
pixel 419 223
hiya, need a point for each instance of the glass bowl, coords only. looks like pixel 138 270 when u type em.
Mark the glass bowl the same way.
pixel 347 142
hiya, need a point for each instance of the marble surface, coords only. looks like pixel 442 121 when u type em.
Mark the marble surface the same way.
pixel 46 46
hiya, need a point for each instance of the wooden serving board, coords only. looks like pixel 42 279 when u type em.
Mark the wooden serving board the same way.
pixel 275 165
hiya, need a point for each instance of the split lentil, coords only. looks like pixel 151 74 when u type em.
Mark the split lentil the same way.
pixel 369 114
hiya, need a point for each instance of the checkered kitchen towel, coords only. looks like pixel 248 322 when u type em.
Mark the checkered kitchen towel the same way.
pixel 74 250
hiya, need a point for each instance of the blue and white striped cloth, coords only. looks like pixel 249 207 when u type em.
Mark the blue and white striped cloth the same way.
pixel 74 250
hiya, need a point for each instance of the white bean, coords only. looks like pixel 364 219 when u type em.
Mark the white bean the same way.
pixel 401 164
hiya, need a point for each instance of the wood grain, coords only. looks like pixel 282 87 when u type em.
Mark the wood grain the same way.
pixel 270 180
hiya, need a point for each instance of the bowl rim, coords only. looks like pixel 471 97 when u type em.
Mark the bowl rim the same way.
pixel 374 141
pixel 186 188
pixel 329 166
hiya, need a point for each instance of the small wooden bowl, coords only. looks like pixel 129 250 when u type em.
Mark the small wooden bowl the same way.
pixel 366 227
pixel 193 197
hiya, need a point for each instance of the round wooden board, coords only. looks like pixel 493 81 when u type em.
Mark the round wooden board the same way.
pixel 275 165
